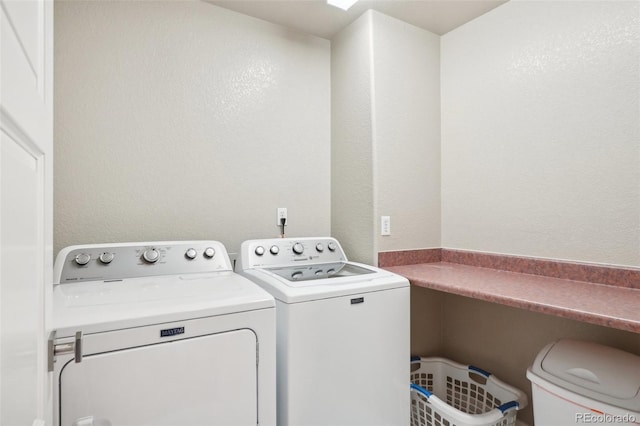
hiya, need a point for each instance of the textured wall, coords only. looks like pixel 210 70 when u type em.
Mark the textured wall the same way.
pixel 541 131
pixel 352 180
pixel 406 138
pixel 183 120
pixel 385 136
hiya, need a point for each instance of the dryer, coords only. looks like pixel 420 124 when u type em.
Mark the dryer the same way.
pixel 162 333
pixel 342 333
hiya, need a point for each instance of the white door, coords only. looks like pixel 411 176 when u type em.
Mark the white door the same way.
pixel 201 381
pixel 26 133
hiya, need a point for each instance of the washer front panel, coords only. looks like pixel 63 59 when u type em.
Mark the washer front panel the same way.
pixel 343 361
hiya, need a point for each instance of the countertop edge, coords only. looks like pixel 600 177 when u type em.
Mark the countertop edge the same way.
pixel 503 287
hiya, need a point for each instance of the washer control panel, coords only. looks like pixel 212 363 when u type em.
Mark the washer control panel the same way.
pixel 130 260
pixel 289 251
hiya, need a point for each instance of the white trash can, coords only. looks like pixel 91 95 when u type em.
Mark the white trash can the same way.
pixel 576 382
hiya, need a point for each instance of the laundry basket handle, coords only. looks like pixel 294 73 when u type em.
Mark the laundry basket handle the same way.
pixel 422 390
pixel 480 371
pixel 509 405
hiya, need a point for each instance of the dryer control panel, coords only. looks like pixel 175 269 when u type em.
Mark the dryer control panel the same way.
pixel 102 262
pixel 289 251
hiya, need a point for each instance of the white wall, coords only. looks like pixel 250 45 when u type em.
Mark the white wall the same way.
pixel 385 136
pixel 352 181
pixel 183 120
pixel 406 137
pixel 541 131
pixel 540 157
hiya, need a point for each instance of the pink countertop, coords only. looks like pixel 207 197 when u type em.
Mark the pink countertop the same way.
pixel 601 304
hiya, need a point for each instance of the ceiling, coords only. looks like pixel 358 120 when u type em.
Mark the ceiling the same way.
pixel 318 18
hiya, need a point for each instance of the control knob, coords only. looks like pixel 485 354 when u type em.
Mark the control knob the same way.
pixel 274 250
pixel 209 252
pixel 297 248
pixel 151 255
pixel 259 250
pixel 319 248
pixel 191 253
pixel 331 246
pixel 82 259
pixel 106 257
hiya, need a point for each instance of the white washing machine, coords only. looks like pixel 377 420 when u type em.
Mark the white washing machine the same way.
pixel 342 333
pixel 160 334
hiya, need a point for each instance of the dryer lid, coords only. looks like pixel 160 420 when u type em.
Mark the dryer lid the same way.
pixel 107 305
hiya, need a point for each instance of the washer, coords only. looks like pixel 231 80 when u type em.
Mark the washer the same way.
pixel 342 333
pixel 162 333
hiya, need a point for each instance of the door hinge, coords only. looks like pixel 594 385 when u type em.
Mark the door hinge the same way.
pixel 74 347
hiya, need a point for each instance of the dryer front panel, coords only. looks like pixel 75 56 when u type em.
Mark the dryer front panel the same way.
pixel 205 380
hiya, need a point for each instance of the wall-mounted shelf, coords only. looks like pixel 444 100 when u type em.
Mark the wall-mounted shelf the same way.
pixel 601 304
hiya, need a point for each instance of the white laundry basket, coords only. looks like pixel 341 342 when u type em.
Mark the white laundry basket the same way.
pixel 445 393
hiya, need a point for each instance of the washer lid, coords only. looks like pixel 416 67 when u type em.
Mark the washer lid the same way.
pixel 600 372
pixel 289 291
pixel 304 275
pixel 99 306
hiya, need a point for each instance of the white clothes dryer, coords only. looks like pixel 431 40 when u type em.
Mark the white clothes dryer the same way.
pixel 160 334
pixel 342 333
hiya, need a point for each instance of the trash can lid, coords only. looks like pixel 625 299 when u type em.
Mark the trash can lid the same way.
pixel 599 372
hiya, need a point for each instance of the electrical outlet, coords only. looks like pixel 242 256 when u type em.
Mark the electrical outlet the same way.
pixel 282 214
pixel 385 225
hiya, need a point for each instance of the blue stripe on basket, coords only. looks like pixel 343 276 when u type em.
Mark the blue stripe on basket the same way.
pixel 415 358
pixel 485 373
pixel 509 405
pixel 421 390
